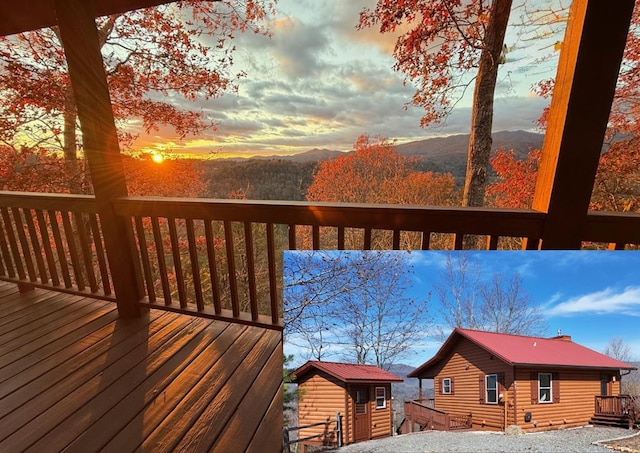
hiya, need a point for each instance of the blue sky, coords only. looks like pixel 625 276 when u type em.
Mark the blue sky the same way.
pixel 320 83
pixel 593 296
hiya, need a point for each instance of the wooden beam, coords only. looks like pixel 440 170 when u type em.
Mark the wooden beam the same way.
pixel 88 78
pixel 584 87
pixel 26 15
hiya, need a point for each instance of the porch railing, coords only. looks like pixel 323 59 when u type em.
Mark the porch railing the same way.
pixel 619 405
pixel 222 258
pixel 427 417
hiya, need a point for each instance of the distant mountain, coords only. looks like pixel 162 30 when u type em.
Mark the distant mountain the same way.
pixel 441 154
pixel 315 155
pixel 408 389
pixel 437 148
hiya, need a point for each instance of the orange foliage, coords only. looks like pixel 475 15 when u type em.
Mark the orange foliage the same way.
pixel 31 170
pixel 517 179
pixel 616 188
pixel 375 173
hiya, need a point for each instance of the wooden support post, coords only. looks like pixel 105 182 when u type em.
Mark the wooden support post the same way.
pixel 76 21
pixel 584 87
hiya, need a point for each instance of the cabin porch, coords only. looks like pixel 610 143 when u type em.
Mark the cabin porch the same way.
pixel 619 410
pixel 75 375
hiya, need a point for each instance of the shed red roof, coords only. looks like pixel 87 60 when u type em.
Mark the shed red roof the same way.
pixel 347 372
pixel 522 350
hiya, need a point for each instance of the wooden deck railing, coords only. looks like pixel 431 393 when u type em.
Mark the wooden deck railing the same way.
pixel 428 417
pixel 222 258
pixel 619 405
pixel 53 241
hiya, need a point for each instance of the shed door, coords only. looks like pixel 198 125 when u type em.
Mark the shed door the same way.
pixel 361 415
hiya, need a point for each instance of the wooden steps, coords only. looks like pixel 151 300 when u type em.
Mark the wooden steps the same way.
pixel 620 421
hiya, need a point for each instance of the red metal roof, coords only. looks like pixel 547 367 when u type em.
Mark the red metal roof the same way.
pixel 522 350
pixel 347 372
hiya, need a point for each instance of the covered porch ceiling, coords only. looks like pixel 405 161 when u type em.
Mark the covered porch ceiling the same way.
pixel 21 16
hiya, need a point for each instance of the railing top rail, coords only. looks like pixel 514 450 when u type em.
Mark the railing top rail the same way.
pixel 52 201
pixel 513 222
pixel 432 409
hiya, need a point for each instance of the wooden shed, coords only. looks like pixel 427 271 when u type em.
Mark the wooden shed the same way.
pixel 361 393
pixel 495 380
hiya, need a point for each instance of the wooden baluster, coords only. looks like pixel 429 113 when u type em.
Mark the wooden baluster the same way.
pixel 251 270
pixel 24 244
pixel 195 268
pixel 213 268
pixel 273 289
pixel 35 245
pixel 177 262
pixel 86 251
pixel 231 268
pixel 162 264
pixel 6 255
pixel 146 263
pixel 62 257
pixel 73 253
pixel 100 254
pixel 46 244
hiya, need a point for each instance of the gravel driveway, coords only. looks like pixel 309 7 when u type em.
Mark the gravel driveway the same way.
pixel 561 441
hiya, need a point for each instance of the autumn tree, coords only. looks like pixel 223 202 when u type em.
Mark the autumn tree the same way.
pixel 446 42
pixel 151 56
pixel 30 170
pixel 352 304
pixel 376 173
pixel 619 350
pixel 616 187
pixel 497 304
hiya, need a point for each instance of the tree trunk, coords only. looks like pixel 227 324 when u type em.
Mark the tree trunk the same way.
pixel 482 112
pixel 72 169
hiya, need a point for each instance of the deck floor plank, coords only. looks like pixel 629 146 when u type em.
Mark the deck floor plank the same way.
pixel 100 323
pixel 252 408
pixel 62 365
pixel 21 359
pixel 40 329
pixel 75 377
pixel 56 403
pixel 203 434
pixel 136 415
pixel 190 408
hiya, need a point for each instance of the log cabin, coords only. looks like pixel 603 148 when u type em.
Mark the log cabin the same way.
pixel 80 298
pixel 496 380
pixel 360 393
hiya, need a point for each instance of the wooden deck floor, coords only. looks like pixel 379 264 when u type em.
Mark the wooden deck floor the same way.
pixel 75 377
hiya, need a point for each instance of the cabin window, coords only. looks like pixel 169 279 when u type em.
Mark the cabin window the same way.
pixel 491 388
pixel 381 398
pixel 545 383
pixel 446 386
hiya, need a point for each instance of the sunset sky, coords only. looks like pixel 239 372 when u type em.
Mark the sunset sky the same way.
pixel 320 83
pixel 593 296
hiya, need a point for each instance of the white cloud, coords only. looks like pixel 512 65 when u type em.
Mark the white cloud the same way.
pixel 607 301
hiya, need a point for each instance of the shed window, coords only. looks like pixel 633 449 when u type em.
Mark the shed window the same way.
pixel 545 383
pixel 381 398
pixel 491 386
pixel 446 386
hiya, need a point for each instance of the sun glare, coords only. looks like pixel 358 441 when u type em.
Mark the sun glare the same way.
pixel 158 158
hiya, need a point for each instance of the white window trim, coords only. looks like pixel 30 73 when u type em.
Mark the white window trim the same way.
pixel 550 388
pixel 383 397
pixel 486 389
pixel 444 387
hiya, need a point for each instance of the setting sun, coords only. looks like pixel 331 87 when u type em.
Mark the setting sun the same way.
pixel 157 158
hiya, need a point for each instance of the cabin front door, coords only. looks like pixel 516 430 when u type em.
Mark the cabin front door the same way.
pixel 361 414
